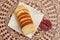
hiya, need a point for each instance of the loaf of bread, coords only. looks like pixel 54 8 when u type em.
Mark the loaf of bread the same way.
pixel 24 19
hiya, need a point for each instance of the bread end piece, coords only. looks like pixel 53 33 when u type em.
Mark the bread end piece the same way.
pixel 19 8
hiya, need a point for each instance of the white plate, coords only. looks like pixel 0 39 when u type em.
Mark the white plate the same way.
pixel 35 15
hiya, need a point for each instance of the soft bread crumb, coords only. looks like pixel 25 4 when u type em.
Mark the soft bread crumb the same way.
pixel 28 29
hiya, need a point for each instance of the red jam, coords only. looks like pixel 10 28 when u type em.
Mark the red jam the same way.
pixel 45 25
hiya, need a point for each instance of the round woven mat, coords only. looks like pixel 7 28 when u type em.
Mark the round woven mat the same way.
pixel 50 9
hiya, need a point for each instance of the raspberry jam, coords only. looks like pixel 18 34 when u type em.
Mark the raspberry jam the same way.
pixel 45 25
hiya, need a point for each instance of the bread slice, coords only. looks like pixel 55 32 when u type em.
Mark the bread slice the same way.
pixel 22 12
pixel 28 29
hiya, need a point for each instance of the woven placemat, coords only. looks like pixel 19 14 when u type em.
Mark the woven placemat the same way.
pixel 50 9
